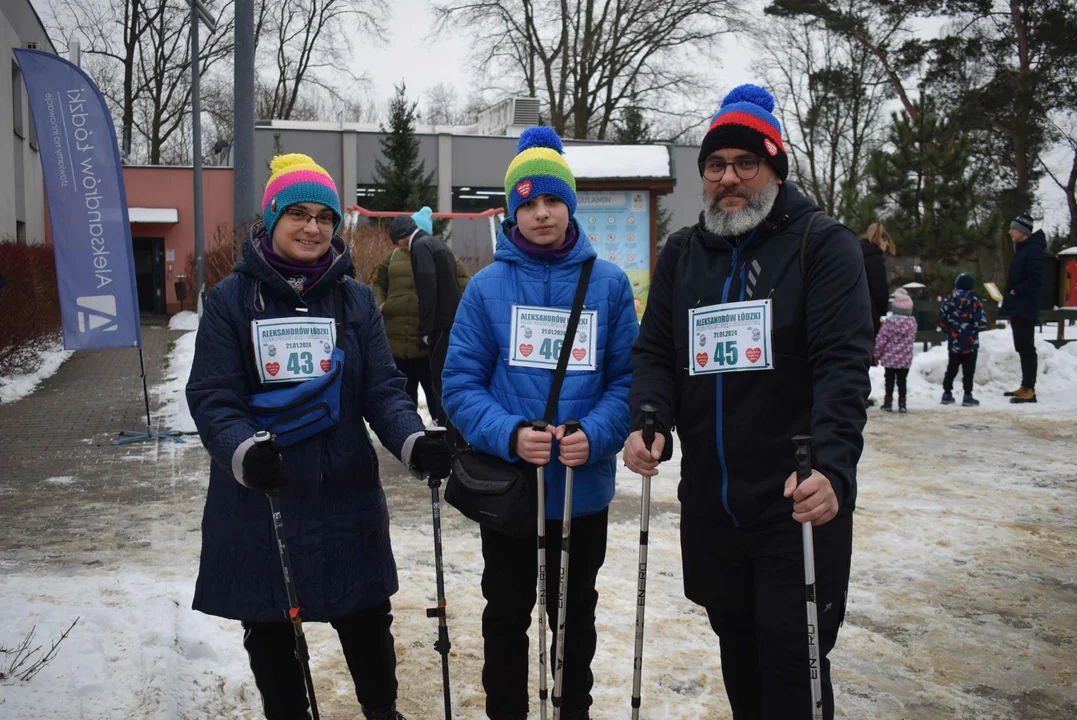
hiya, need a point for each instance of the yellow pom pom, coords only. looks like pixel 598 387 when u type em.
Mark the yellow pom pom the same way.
pixel 283 162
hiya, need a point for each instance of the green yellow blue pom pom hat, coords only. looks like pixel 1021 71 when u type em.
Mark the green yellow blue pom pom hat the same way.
pixel 296 178
pixel 539 168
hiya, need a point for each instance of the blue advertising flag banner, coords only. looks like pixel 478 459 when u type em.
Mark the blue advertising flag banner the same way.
pixel 91 235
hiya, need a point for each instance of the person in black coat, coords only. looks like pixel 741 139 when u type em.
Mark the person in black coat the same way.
pixel 875 243
pixel 750 254
pixel 268 329
pixel 1021 304
pixel 436 284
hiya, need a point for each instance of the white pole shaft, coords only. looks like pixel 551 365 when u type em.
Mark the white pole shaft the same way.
pixel 813 623
pixel 542 589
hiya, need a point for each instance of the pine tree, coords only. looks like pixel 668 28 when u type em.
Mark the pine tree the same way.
pixel 405 184
pixel 633 128
pixel 926 190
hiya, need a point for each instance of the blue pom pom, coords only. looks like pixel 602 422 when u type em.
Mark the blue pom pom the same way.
pixel 751 94
pixel 542 136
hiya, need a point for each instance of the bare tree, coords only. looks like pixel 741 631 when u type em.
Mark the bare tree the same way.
pixel 588 59
pixel 309 38
pixel 830 95
pixel 444 108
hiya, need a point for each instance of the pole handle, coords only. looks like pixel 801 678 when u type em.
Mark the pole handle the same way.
pixel 650 412
pixel 262 438
pixel 540 425
pixel 802 443
pixel 571 426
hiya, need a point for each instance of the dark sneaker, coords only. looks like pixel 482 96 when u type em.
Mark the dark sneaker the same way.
pixel 969 401
pixel 1024 395
pixel 901 406
pixel 888 404
pixel 948 398
pixel 383 715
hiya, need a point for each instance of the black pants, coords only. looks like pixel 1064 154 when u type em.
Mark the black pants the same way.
pixel 752 584
pixel 966 362
pixel 417 370
pixel 901 375
pixel 368 648
pixel 1025 344
pixel 509 580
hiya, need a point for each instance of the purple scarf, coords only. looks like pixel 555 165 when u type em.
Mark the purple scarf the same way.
pixel 545 253
pixel 299 275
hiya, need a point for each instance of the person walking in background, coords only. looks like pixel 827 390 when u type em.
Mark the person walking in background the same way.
pixel 396 295
pixel 962 318
pixel 893 350
pixel 874 245
pixel 1022 300
pixel 437 285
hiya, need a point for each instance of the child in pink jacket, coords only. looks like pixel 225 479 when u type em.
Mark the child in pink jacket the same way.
pixel 893 350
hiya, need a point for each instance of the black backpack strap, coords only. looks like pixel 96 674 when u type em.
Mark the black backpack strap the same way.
pixel 338 299
pixel 566 345
pixel 804 251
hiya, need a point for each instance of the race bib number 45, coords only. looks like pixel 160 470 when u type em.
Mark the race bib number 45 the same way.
pixel 293 349
pixel 538 334
pixel 730 338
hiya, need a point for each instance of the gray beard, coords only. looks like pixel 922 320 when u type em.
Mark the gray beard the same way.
pixel 739 222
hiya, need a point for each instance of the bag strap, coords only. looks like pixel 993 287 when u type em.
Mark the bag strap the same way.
pixel 804 251
pixel 566 345
pixel 338 299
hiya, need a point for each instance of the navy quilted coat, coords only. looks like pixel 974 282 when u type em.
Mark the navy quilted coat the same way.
pixel 486 398
pixel 335 517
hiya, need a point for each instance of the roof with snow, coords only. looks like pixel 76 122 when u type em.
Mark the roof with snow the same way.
pixel 618 161
pixel 1069 251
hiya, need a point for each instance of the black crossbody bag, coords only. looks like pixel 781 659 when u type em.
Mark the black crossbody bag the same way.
pixel 502 495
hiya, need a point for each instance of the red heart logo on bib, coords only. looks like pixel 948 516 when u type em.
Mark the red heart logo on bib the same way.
pixel 526 350
pixel 273 368
pixel 701 358
pixel 325 365
pixel 753 354
pixel 579 354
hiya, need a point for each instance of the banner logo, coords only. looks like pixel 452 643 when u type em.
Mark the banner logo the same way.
pixel 97 312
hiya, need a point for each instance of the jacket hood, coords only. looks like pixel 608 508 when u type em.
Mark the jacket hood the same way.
pixel 1036 238
pixel 255 265
pixel 789 206
pixel 508 252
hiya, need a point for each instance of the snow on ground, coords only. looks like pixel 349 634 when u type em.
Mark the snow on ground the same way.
pixel 173 413
pixel 53 355
pixel 998 369
pixel 186 320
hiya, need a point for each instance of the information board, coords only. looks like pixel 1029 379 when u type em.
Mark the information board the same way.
pixel 618 224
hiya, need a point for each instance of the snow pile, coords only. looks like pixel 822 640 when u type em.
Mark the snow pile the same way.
pixel 171 392
pixel 998 369
pixel 18 386
pixel 186 320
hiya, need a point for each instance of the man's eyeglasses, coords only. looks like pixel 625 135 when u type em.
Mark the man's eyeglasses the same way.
pixel 745 168
pixel 325 220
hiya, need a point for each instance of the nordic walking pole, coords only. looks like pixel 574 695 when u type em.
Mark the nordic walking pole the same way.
pixel 649 412
pixel 803 455
pixel 301 652
pixel 540 471
pixel 571 426
pixel 442 645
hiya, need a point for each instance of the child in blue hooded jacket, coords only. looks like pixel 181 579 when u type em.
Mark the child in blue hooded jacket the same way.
pixel 497 378
pixel 962 318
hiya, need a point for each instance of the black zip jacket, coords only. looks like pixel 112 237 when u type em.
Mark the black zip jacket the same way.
pixel 736 429
pixel 434 267
pixel 878 288
pixel 1025 279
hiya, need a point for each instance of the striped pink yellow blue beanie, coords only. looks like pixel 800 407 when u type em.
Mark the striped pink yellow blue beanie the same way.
pixel 295 179
pixel 539 168
pixel 745 122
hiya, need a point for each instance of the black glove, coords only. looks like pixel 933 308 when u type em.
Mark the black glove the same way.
pixel 263 469
pixel 432 457
pixel 423 343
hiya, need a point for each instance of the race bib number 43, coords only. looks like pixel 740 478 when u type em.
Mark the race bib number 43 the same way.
pixel 538 334
pixel 293 349
pixel 730 338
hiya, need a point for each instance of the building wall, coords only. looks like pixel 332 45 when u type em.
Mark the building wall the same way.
pixel 22 189
pixel 173 187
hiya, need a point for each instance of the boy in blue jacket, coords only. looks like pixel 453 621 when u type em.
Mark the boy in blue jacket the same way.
pixel 497 378
pixel 962 318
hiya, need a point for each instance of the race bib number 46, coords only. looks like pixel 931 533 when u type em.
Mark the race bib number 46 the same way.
pixel 730 338
pixel 538 334
pixel 293 349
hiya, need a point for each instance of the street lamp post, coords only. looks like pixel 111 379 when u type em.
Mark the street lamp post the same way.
pixel 199 13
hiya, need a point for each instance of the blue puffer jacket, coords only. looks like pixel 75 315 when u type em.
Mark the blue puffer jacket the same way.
pixel 335 517
pixel 487 399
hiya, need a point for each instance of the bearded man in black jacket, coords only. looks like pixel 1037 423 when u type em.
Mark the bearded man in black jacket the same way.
pixel 758 328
